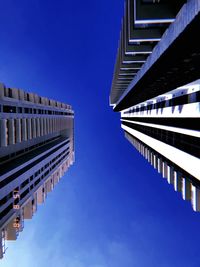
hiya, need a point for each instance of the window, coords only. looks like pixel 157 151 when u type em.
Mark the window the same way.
pixel 9 109
pixel 19 109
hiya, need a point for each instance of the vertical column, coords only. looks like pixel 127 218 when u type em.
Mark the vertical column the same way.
pixel 38 127
pixel 1 245
pixel 40 195
pixel 177 181
pixel 148 155
pixel 155 160
pixel 51 120
pixel 159 165
pixel 50 125
pixel 44 126
pixel 47 125
pixel 15 131
pixel 41 126
pixel 152 158
pixel 28 211
pixel 18 131
pixel 24 130
pixel 34 202
pixel 171 174
pixel 55 124
pixel 168 174
pixel 186 189
pixel 53 129
pixel 61 125
pixel 34 127
pixel 164 169
pixel 143 148
pixel 11 132
pixel 3 131
pixel 195 198
pixel 29 129
pixel 145 152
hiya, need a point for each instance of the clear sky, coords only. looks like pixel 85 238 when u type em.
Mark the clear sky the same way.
pixel 111 209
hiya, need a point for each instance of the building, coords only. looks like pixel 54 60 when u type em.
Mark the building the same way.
pixel 36 149
pixel 156 88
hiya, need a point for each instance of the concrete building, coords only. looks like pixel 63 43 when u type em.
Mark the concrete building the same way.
pixel 156 88
pixel 36 149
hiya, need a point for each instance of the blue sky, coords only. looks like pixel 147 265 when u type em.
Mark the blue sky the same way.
pixel 111 209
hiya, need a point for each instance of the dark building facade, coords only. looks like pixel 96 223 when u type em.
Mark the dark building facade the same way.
pixel 156 88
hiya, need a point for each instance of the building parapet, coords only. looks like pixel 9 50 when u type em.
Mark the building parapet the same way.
pixel 21 95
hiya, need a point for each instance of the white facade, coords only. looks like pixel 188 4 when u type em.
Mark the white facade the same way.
pixel 167 130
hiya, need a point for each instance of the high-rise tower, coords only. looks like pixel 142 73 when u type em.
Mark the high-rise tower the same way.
pixel 156 87
pixel 36 149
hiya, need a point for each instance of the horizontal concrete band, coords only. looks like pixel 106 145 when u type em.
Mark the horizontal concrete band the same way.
pixel 187 162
